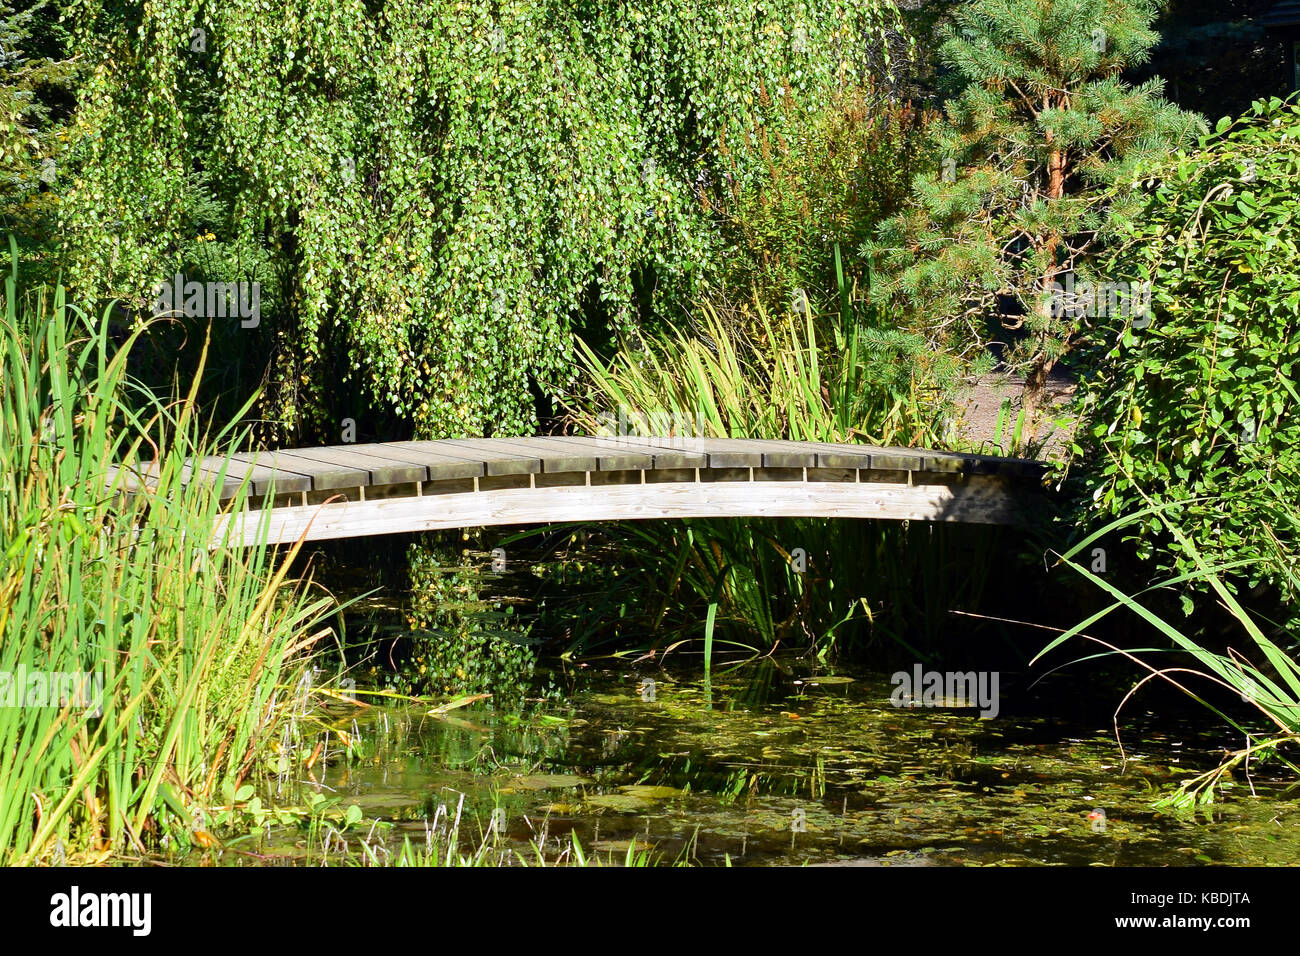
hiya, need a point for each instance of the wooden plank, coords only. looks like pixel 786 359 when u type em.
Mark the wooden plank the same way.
pixel 842 455
pixel 667 452
pixel 981 500
pixel 904 459
pixel 324 475
pixel 261 477
pixel 610 457
pixel 377 471
pixel 137 480
pixel 997 464
pixel 727 452
pixel 495 460
pixel 971 464
pixel 888 458
pixel 757 453
pixel 965 462
pixel 783 453
pixel 787 454
pixel 959 462
pixel 556 457
pixel 439 466
pixel 881 459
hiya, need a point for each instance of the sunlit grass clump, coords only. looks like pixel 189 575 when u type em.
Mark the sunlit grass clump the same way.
pixel 119 578
pixel 849 376
pixel 843 377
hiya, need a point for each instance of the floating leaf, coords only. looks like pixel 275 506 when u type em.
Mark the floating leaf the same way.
pixel 652 793
pixel 546 781
pixel 622 802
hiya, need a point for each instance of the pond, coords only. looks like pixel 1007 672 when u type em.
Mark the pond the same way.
pixel 759 765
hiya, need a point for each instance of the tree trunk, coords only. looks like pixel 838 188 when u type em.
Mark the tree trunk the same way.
pixel 1031 399
pixel 1036 380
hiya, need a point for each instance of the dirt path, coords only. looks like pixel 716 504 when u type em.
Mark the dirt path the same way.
pixel 981 424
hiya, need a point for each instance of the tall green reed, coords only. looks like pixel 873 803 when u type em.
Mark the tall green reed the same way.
pixel 802 376
pixel 110 568
pixel 843 377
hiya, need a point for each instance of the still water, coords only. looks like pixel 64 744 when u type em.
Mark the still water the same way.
pixel 758 766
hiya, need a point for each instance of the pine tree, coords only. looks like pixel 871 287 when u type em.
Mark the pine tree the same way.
pixel 1024 157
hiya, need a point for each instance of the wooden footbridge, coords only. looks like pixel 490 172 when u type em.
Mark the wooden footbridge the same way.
pixel 355 490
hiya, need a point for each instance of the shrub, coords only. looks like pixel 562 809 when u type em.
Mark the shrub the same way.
pixel 822 180
pixel 1199 406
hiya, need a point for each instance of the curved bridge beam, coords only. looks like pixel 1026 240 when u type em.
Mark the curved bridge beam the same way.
pixel 978 500
pixel 358 490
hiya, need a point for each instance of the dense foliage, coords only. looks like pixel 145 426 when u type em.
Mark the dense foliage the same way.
pixel 178 652
pixel 1200 407
pixel 37 83
pixel 430 195
pixel 826 180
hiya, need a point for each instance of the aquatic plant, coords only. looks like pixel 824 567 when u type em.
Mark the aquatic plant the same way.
pixel 181 646
pixel 843 377
pixel 1265 676
pixel 846 376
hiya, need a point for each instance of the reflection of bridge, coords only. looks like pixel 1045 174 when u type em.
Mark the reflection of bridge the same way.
pixel 354 490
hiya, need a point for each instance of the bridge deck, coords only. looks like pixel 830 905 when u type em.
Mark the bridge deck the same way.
pixel 356 490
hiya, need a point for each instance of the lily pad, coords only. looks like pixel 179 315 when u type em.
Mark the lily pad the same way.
pixel 831 679
pixel 622 802
pixel 545 781
pixel 651 793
